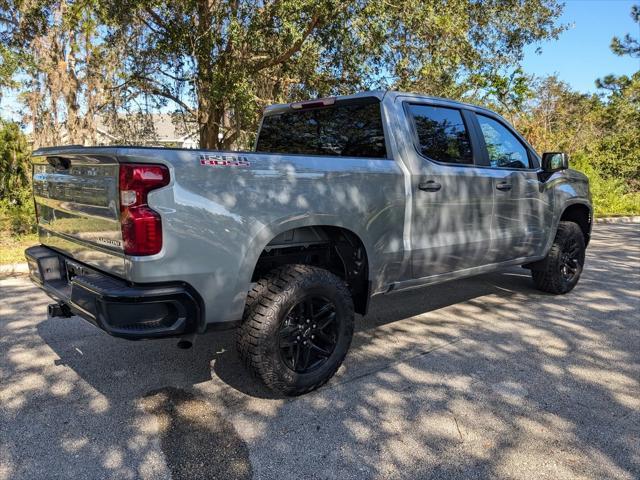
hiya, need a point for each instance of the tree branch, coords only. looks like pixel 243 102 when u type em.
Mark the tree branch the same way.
pixel 9 21
pixel 156 18
pixel 150 86
pixel 177 79
pixel 287 54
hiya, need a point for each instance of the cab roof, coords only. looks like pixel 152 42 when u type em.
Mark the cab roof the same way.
pixel 377 94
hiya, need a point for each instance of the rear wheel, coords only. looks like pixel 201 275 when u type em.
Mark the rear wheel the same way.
pixel 297 328
pixel 560 271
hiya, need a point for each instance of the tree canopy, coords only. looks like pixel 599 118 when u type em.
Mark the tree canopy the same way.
pixel 218 63
pixel 214 64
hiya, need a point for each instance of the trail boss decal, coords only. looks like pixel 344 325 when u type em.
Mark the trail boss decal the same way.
pixel 224 161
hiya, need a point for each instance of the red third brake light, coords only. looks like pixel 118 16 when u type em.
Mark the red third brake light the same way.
pixel 141 226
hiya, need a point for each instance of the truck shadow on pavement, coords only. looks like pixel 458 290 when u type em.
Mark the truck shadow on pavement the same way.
pixel 484 377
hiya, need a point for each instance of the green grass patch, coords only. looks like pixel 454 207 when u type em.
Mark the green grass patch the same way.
pixel 12 248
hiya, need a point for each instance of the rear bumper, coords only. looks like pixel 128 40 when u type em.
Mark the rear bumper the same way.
pixel 118 307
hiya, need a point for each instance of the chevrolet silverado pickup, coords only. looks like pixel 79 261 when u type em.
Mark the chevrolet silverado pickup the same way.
pixel 341 199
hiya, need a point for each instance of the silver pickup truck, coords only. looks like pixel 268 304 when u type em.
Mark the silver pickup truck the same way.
pixel 342 199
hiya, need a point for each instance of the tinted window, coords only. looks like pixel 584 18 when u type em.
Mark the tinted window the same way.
pixel 505 150
pixel 442 134
pixel 353 130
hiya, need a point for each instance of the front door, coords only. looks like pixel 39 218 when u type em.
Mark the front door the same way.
pixel 452 196
pixel 522 206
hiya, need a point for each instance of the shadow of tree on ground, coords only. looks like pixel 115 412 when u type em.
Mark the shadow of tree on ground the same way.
pixel 483 378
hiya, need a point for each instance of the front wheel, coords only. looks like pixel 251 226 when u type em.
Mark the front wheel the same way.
pixel 560 271
pixel 297 328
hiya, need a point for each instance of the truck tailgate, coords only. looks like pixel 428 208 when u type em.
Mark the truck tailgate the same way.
pixel 76 198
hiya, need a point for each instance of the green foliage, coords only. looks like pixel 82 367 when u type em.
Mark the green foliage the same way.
pixel 221 62
pixel 8 66
pixel 15 167
pixel 601 134
pixel 611 195
pixel 618 152
pixel 628 45
pixel 17 214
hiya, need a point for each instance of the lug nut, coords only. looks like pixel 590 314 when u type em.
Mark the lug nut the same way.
pixel 312 337
pixel 298 337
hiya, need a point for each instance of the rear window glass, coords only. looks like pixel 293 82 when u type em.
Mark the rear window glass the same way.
pixel 348 130
pixel 442 134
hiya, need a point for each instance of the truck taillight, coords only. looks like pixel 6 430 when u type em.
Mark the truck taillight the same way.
pixel 141 226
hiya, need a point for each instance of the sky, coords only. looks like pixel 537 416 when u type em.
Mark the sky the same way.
pixel 579 56
pixel 582 53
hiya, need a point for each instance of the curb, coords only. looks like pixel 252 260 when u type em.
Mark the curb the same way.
pixel 14 269
pixel 630 219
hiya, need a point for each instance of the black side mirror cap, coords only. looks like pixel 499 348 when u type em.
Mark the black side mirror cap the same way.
pixel 554 162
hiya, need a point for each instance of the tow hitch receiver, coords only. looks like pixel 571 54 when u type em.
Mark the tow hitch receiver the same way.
pixel 59 310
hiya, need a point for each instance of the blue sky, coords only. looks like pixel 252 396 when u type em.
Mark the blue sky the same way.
pixel 582 53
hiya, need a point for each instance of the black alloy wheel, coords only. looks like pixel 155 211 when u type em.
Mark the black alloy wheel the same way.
pixel 560 270
pixel 570 260
pixel 309 334
pixel 296 329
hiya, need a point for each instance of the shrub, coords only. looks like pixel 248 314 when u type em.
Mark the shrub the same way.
pixel 611 196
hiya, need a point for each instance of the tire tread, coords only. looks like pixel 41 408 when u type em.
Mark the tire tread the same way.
pixel 547 278
pixel 263 306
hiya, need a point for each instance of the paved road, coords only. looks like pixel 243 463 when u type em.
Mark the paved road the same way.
pixel 485 378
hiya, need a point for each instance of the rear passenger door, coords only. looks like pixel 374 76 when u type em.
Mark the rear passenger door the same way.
pixel 522 207
pixel 452 198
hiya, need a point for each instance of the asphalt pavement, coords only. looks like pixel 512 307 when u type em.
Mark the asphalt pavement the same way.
pixel 481 378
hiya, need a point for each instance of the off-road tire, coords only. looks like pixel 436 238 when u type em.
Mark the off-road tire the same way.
pixel 548 275
pixel 268 303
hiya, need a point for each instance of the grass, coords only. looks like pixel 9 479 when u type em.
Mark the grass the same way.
pixel 12 248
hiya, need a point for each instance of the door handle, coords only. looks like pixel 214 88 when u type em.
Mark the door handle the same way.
pixel 504 186
pixel 429 186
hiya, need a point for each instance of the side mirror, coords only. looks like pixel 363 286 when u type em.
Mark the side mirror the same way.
pixel 554 161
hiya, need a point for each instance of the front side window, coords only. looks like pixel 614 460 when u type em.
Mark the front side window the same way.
pixel 504 149
pixel 348 130
pixel 442 134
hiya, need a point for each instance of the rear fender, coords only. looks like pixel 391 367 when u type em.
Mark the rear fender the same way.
pixel 268 233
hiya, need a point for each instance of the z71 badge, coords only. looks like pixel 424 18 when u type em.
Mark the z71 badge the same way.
pixel 224 161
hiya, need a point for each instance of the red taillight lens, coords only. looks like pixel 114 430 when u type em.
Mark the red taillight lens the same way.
pixel 141 226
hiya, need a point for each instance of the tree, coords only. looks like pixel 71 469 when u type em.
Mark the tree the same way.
pixel 619 149
pixel 15 167
pixel 220 62
pixel 54 54
pixel 628 45
pixel 555 117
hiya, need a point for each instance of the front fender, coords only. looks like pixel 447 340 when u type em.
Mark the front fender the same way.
pixel 570 188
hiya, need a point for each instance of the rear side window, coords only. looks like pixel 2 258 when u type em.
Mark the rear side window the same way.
pixel 442 134
pixel 504 149
pixel 348 130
